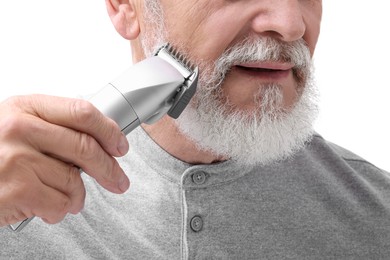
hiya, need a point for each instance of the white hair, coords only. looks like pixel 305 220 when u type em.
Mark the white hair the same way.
pixel 263 135
pixel 268 133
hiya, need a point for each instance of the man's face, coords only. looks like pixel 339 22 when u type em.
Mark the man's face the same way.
pixel 205 29
pixel 255 100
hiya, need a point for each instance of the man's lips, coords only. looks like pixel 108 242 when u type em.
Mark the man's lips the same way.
pixel 266 70
pixel 267 65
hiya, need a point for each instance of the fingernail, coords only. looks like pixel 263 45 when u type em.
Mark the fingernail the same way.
pixel 124 183
pixel 123 146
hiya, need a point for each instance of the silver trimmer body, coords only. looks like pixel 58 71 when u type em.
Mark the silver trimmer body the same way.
pixel 147 91
pixel 159 85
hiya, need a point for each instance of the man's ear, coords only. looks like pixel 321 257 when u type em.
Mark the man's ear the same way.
pixel 124 17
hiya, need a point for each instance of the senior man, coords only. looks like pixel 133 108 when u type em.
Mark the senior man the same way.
pixel 240 174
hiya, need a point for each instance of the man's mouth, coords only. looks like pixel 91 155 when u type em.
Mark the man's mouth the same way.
pixel 265 70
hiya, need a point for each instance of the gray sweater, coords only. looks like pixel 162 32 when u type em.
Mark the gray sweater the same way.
pixel 322 203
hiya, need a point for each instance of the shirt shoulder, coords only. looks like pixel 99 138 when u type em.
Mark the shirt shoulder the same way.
pixel 353 160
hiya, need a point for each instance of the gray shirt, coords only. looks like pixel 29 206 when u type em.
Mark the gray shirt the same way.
pixel 322 203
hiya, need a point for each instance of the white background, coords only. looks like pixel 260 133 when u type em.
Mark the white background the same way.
pixel 70 47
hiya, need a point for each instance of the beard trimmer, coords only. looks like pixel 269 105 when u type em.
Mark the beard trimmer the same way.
pixel 159 85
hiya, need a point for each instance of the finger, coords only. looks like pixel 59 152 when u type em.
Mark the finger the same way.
pixel 79 149
pixel 28 169
pixel 82 116
pixel 69 146
pixel 22 193
pixel 52 210
pixel 63 177
pixel 33 198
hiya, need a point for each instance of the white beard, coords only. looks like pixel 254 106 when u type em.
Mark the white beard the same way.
pixel 267 134
pixel 248 138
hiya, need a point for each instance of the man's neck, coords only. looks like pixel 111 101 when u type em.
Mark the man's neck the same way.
pixel 166 134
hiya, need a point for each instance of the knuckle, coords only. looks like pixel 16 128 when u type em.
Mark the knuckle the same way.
pixel 20 192
pixel 78 203
pixel 10 214
pixel 16 198
pixel 112 130
pixel 73 179
pixel 63 206
pixel 105 171
pixel 83 111
pixel 14 161
pixel 23 192
pixel 106 174
pixel 59 211
pixel 75 190
pixel 14 101
pixel 88 148
pixel 52 211
pixel 87 114
pixel 11 126
pixel 13 218
pixel 109 171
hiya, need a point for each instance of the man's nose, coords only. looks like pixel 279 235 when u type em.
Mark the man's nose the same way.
pixel 282 19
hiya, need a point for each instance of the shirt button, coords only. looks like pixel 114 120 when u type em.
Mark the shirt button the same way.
pixel 199 178
pixel 196 223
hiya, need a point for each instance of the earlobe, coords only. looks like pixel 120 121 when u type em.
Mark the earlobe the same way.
pixel 124 17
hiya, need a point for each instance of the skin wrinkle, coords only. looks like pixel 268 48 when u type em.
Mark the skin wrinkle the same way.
pixel 214 18
pixel 185 12
pixel 213 14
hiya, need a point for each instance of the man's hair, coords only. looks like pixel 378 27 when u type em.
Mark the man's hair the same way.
pixel 153 14
pixel 153 8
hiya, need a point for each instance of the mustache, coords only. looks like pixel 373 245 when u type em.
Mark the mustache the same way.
pixel 265 49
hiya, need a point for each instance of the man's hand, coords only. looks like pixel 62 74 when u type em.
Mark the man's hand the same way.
pixel 44 141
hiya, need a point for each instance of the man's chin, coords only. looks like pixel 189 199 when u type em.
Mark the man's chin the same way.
pixel 255 136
